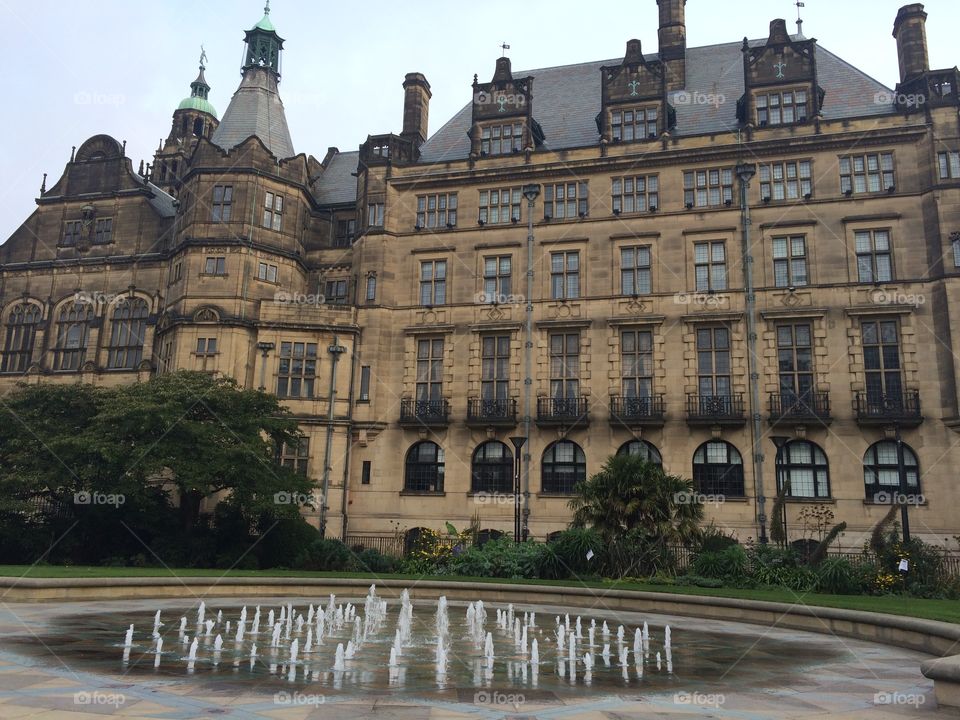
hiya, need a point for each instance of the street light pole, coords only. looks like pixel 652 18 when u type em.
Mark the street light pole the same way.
pixel 902 482
pixel 531 192
pixel 746 171
pixel 336 350
pixel 518 441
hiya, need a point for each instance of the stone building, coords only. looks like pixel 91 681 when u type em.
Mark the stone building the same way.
pixel 740 260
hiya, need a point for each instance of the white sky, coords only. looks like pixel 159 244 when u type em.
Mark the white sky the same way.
pixel 118 67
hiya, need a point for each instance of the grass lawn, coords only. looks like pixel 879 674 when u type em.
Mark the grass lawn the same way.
pixel 944 610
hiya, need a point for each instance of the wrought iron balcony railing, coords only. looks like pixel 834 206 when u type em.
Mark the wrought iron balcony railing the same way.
pixel 715 409
pixel 486 411
pixel 424 412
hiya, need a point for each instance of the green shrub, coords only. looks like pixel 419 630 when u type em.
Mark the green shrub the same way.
pixel 837 576
pixel 501 558
pixel 373 561
pixel 713 539
pixel 698 581
pixel 324 554
pixel 571 548
pixel 282 539
pixel 728 563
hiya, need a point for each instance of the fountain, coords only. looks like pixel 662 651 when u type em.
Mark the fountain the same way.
pixel 156 658
pixel 192 656
pixel 294 649
pixel 156 623
pixel 393 658
pixel 338 659
pixel 240 630
pixel 308 645
pixel 128 638
pixel 534 653
pixel 350 651
pixel 183 625
pixel 275 640
pixel 200 613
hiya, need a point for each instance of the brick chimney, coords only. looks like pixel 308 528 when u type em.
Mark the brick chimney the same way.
pixel 910 30
pixel 416 107
pixel 673 42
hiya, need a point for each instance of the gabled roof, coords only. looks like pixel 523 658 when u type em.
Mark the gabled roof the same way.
pixel 567 99
pixel 256 109
pixel 337 184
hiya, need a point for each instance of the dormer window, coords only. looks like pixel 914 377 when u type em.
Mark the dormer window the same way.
pixel 781 108
pixel 501 139
pixel 634 124
pixel 72 230
pixel 103 231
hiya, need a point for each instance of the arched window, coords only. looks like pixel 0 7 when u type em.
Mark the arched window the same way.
pixel 424 468
pixel 646 451
pixel 488 534
pixel 186 124
pixel 804 464
pixel 881 471
pixel 718 469
pixel 198 127
pixel 73 333
pixel 22 325
pixel 128 334
pixel 492 468
pixel 563 466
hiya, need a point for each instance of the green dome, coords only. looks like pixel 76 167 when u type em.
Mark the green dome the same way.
pixel 265 23
pixel 197 103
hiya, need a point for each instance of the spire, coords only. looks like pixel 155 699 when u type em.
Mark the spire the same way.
pixel 263 44
pixel 199 91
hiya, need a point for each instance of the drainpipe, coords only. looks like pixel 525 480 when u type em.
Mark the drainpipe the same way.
pixel 335 350
pixel 530 192
pixel 347 453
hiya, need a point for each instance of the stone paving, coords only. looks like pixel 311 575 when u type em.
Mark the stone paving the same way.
pixel 857 680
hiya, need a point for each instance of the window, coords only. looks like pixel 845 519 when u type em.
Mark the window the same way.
pixel 266 272
pixel 635 270
pixel 364 384
pixel 636 194
pixel 491 470
pixel 128 334
pixel 103 231
pixel 433 282
pixel 949 164
pixel 795 362
pixel 634 124
pixel 335 292
pixel 710 266
pixel 72 230
pixel 176 272
pixel 645 450
pixel 365 473
pixel 789 261
pixel 497 285
pixel 22 325
pixel 866 173
pixel 375 215
pixel 565 275
pixel 371 293
pixel 437 210
pixel 296 456
pixel 786 180
pixel 565 200
pixel 718 469
pixel 430 370
pixel 423 470
pixel 873 256
pixel 272 211
pixel 222 203
pixel 881 471
pixel 955 244
pixel 563 466
pixel 781 108
pixel 636 363
pixel 499 206
pixel 206 354
pixel 346 230
pixel 494 367
pixel 73 331
pixel 804 464
pixel 708 188
pixel 713 362
pixel 501 139
pixel 215 266
pixel 297 370
pixel 881 361
pixel 565 365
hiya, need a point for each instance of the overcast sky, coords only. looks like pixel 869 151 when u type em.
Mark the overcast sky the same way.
pixel 119 67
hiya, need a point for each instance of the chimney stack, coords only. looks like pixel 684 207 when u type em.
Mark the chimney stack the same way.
pixel 673 43
pixel 910 30
pixel 416 107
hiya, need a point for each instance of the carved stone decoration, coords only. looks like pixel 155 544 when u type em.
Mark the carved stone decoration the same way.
pixel 165 321
pixel 206 314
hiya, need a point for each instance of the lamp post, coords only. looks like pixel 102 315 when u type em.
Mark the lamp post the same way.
pixel 518 441
pixel 336 350
pixel 780 441
pixel 531 192
pixel 902 483
pixel 746 171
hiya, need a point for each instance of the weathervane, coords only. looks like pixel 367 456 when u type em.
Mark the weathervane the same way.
pixel 504 47
pixel 203 58
pixel 799 19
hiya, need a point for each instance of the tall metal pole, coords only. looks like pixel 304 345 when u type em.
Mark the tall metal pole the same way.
pixel 518 442
pixel 746 171
pixel 530 192
pixel 902 481
pixel 336 350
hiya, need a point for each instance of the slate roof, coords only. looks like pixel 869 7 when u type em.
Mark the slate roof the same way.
pixel 256 109
pixel 162 202
pixel 566 99
pixel 337 183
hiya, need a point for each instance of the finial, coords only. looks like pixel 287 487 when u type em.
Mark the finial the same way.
pixel 504 47
pixel 123 152
pixel 799 19
pixel 73 152
pixel 203 58
pixel 266 8
pixel 141 168
pixel 43 185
